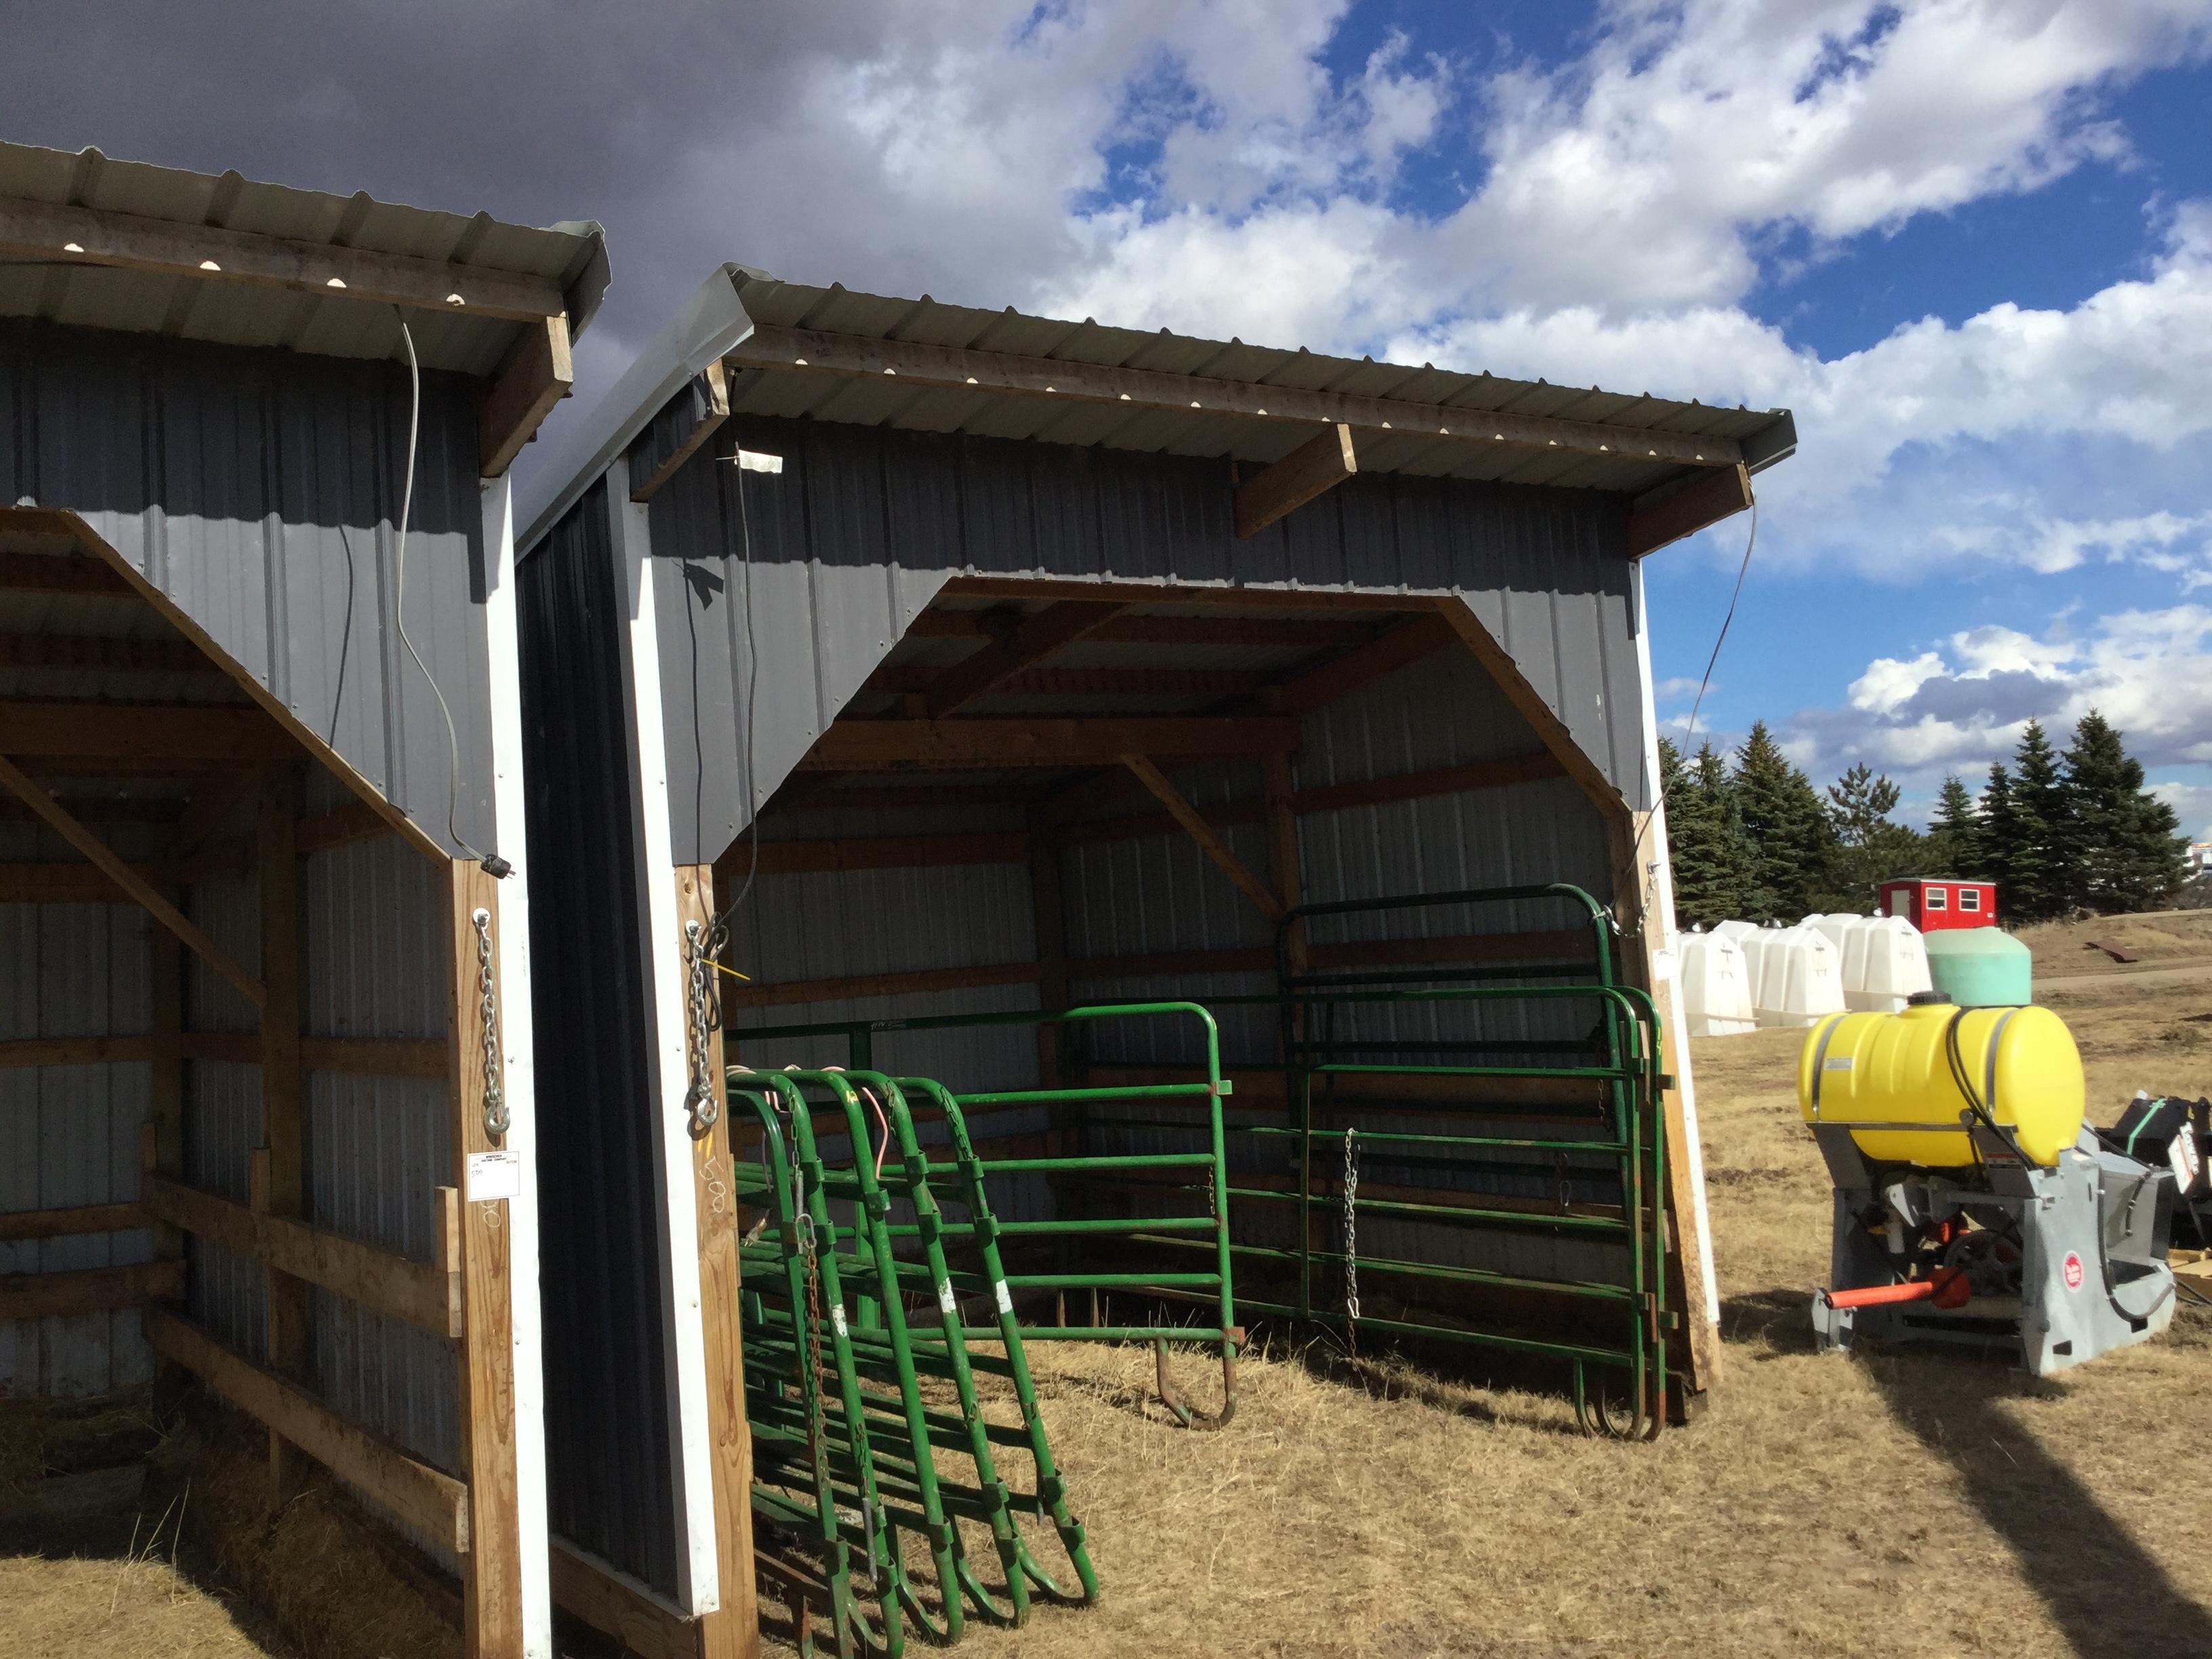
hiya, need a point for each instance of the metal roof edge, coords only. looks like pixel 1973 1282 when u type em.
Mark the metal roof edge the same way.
pixel 1774 441
pixel 582 290
pixel 704 331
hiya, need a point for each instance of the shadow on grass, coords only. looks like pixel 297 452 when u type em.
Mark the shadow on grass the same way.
pixel 1779 1321
pixel 2110 1596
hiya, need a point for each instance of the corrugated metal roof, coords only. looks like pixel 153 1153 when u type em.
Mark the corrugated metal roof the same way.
pixel 1766 433
pixel 571 254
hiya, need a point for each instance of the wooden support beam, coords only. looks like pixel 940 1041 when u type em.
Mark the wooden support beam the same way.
pixel 88 1291
pixel 342 825
pixel 12 779
pixel 1034 639
pixel 537 375
pixel 1279 807
pixel 997 744
pixel 1314 467
pixel 716 409
pixel 17 1225
pixel 424 1294
pixel 65 884
pixel 1685 508
pixel 73 1051
pixel 95 236
pixel 1199 830
pixel 491 1584
pixel 819 352
pixel 792 858
pixel 426 1498
pixel 104 653
pixel 155 732
pixel 424 1057
pixel 283 1119
pixel 1312 631
pixel 646 1623
pixel 733 1631
pixel 1090 682
pixel 72 573
pixel 1406 642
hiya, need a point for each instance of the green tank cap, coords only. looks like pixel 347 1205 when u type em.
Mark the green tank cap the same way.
pixel 1980 967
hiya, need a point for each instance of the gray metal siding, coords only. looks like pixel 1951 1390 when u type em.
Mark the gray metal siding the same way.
pixel 606 1402
pixel 261 491
pixel 863 525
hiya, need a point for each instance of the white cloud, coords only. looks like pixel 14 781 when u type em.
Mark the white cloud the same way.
pixel 1888 684
pixel 2192 804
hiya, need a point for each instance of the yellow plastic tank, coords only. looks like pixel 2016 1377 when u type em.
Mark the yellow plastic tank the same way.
pixel 1885 1076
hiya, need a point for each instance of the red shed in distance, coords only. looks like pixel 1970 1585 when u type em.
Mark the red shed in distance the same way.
pixel 1932 902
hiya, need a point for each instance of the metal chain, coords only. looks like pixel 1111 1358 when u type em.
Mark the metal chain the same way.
pixel 816 1431
pixel 1352 1235
pixel 495 1118
pixel 700 1100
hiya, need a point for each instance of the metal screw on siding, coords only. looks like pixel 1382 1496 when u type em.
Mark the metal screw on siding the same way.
pixel 494 1111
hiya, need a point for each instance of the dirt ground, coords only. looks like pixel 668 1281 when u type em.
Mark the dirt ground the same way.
pixel 1904 1504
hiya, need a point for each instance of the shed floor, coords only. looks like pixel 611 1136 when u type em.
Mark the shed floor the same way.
pixel 1906 1503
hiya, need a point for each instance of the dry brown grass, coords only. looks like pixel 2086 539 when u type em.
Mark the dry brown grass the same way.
pixel 2161 938
pixel 1908 1503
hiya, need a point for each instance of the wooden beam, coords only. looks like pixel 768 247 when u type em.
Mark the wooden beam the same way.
pixel 426 1498
pixel 1684 509
pixel 90 236
pixel 73 1051
pixel 732 1631
pixel 610 1601
pixel 996 744
pixel 341 826
pixel 1091 682
pixel 17 1225
pixel 1392 649
pixel 72 573
pixel 711 417
pixel 1035 639
pixel 103 653
pixel 417 1057
pixel 154 731
pixel 424 1294
pixel 1285 872
pixel 1314 467
pixel 88 1291
pixel 12 779
pixel 491 1583
pixel 537 375
pixel 853 987
pixel 288 1305
pixel 817 352
pixel 64 883
pixel 789 858
pixel 1199 830
pixel 1313 631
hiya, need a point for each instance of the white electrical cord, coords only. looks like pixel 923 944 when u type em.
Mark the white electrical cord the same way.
pixel 399 608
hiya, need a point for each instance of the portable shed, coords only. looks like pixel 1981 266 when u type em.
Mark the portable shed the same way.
pixel 967 663
pixel 1933 903
pixel 265 1051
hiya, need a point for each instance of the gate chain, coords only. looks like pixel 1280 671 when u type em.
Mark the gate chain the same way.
pixel 700 1100
pixel 495 1117
pixel 1352 1240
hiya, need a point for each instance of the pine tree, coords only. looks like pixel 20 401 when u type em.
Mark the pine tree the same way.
pixel 1995 835
pixel 1737 855
pixel 2043 842
pixel 1869 847
pixel 2127 854
pixel 1789 832
pixel 1703 842
pixel 1951 847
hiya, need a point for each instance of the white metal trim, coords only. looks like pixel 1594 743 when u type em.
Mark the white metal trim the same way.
pixel 661 950
pixel 517 1048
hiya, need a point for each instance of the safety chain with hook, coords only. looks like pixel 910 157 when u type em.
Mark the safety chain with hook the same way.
pixel 495 1106
pixel 1351 1238
pixel 700 1100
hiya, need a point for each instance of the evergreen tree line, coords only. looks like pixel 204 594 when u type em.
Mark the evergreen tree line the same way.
pixel 1752 839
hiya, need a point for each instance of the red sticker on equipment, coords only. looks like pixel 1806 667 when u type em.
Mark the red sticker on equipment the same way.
pixel 2072 1269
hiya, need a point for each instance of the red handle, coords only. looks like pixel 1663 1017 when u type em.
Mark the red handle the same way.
pixel 1947 1288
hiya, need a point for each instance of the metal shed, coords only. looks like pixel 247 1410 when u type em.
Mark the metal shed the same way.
pixel 970 663
pixel 265 1050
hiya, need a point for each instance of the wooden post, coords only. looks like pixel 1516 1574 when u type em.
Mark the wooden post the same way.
pixel 1283 869
pixel 281 1117
pixel 733 1630
pixel 491 1571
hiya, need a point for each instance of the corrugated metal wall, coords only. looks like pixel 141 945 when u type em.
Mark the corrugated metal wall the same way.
pixel 606 1400
pixel 842 548
pixel 261 491
pixel 69 1134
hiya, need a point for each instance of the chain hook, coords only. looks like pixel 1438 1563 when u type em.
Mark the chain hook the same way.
pixel 495 1115
pixel 1351 1238
pixel 700 946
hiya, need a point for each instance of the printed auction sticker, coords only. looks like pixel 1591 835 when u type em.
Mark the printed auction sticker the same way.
pixel 494 1175
pixel 2072 1269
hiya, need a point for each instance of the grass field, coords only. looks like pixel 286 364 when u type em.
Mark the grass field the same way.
pixel 1906 1503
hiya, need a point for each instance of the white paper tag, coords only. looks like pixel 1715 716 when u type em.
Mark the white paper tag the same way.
pixel 945 1299
pixel 1663 964
pixel 1003 1297
pixel 837 1319
pixel 2181 1152
pixel 493 1176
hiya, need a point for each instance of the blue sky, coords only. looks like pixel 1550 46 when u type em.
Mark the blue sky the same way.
pixel 1969 241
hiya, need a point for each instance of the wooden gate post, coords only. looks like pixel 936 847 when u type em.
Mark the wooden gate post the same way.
pixel 491 1569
